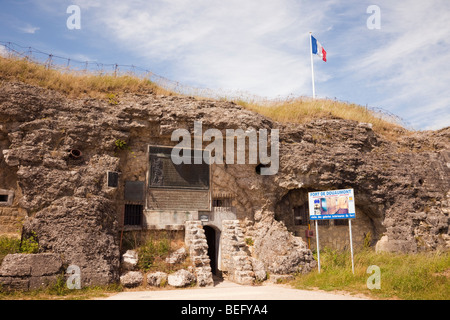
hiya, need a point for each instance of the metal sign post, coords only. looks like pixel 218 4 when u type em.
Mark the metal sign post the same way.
pixel 317 243
pixel 351 243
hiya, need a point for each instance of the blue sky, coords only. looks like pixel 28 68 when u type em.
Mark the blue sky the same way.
pixel 261 47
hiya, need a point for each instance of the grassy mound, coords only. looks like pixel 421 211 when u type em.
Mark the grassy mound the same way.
pixel 106 86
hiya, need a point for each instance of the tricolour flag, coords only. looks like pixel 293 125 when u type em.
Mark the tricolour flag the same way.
pixel 318 49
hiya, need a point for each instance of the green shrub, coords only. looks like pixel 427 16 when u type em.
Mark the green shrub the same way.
pixel 8 245
pixel 153 252
pixel 30 244
pixel 120 144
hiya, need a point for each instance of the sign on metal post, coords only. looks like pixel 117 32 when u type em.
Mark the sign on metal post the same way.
pixel 332 204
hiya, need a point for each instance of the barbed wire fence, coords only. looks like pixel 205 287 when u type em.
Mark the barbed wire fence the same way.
pixel 64 64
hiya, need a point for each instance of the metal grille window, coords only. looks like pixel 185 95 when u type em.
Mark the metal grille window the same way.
pixel 133 214
pixel 301 216
pixel 223 205
pixel 220 203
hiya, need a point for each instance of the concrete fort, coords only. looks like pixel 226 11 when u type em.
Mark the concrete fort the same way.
pixel 84 175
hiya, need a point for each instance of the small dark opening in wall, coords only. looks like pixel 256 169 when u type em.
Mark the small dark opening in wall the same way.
pixel 420 181
pixel 75 153
pixel 210 234
pixel 133 214
pixel 3 198
pixel 113 179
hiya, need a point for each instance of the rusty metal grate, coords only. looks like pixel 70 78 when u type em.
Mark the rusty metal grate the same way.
pixel 133 214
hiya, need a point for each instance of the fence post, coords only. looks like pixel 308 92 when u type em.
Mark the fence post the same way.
pixel 49 61
pixel 8 49
pixel 29 53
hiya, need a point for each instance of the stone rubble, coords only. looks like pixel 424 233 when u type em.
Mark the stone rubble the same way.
pixel 177 256
pixel 236 261
pixel 157 279
pixel 130 260
pixel 132 279
pixel 195 240
pixel 180 279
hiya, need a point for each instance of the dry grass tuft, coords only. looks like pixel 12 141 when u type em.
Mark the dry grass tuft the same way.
pixel 72 83
pixel 304 110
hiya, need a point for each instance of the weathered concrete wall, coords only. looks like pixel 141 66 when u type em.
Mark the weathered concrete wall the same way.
pixel 10 219
pixel 236 261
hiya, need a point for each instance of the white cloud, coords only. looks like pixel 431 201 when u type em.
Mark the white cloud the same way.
pixel 29 29
pixel 258 46
pixel 410 65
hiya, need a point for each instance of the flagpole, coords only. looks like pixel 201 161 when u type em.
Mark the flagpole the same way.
pixel 312 65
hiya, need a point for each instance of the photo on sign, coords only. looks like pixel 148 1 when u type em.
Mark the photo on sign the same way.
pixel 335 204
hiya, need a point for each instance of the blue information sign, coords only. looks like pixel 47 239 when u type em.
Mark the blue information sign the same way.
pixel 332 204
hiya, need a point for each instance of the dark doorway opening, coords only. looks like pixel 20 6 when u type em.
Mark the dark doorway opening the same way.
pixel 210 234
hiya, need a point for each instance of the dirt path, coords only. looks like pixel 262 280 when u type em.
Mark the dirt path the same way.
pixel 226 290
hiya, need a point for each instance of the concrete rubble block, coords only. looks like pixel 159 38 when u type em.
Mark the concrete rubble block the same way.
pixel 42 281
pixel 14 283
pixel 132 279
pixel 15 265
pixel 35 265
pixel 30 271
pixel 130 260
pixel 258 269
pixel 204 277
pixel 181 278
pixel 45 264
pixel 157 279
pixel 382 244
pixel 177 256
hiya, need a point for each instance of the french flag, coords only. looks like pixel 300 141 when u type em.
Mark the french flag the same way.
pixel 318 49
